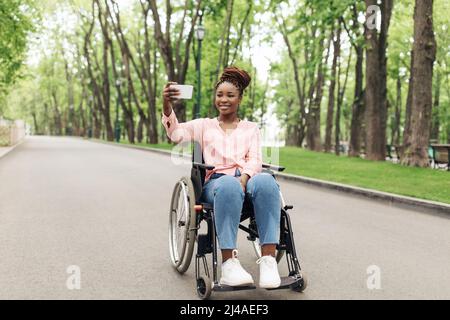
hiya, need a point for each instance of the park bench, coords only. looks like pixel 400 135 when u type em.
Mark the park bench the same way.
pixel 389 152
pixel 440 155
pixel 393 152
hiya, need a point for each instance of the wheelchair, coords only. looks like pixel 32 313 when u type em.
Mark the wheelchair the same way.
pixel 186 216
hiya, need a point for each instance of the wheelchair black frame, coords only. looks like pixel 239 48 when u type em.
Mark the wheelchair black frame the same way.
pixel 207 243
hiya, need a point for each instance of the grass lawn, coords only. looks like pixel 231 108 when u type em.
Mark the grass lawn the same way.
pixel 382 176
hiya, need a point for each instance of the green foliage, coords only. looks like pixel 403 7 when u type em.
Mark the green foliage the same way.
pixel 308 22
pixel 15 24
pixel 323 15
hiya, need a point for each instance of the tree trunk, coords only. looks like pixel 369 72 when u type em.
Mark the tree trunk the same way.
pixel 97 122
pixel 140 130
pixel 81 117
pixel 95 103
pixel 101 94
pixel 106 92
pixel 227 38
pixel 357 106
pixel 340 100
pixel 313 125
pixel 434 135
pixel 398 113
pixel 291 131
pixel 36 128
pixel 47 128
pixel 407 130
pixel 57 118
pixel 331 94
pixel 153 127
pixel 356 125
pixel 130 130
pixel 376 105
pixel 237 46
pixel 298 129
pixel 222 51
pixel 127 58
pixel 149 70
pixel 416 142
pixel 446 124
pixel 70 97
pixel 127 110
pixel 84 125
pixel 176 65
pixel 252 94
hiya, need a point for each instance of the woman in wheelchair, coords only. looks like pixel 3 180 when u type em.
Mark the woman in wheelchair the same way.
pixel 233 147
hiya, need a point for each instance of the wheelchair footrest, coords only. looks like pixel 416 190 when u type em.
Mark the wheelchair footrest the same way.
pixel 287 282
pixel 223 287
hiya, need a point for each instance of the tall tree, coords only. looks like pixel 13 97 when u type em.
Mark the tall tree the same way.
pixel 149 72
pixel 424 50
pixel 71 123
pixel 332 89
pixel 96 105
pixel 296 136
pixel 106 88
pixel 356 126
pixel 376 91
pixel 435 123
pixel 127 58
pixel 397 116
pixel 176 61
pixel 340 100
pixel 313 120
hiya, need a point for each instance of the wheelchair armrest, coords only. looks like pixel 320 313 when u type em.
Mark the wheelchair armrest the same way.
pixel 272 167
pixel 202 166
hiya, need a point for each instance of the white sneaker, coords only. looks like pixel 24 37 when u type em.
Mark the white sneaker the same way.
pixel 269 277
pixel 233 274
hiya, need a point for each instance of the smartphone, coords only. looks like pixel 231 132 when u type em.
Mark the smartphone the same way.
pixel 185 90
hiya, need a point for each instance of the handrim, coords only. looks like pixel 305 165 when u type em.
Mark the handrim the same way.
pixel 182 218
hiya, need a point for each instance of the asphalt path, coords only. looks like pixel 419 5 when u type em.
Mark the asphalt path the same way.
pixel 83 220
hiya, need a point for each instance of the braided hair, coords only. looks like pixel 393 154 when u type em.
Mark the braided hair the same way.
pixel 238 77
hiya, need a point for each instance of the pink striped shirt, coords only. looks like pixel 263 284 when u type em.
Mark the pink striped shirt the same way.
pixel 226 151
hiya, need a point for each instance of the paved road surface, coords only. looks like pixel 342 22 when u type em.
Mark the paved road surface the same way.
pixel 103 208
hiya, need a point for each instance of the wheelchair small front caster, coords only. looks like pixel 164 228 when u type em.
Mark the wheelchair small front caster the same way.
pixel 204 287
pixel 300 285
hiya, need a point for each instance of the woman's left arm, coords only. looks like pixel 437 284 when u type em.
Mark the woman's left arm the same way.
pixel 253 164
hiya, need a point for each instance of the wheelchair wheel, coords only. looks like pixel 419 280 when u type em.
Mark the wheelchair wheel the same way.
pixel 204 287
pixel 182 224
pixel 257 247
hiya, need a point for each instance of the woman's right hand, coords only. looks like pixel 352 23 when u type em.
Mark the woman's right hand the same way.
pixel 169 95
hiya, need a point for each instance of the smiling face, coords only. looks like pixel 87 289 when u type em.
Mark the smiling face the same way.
pixel 227 98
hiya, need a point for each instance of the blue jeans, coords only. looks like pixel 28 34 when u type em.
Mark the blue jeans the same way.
pixel 225 193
